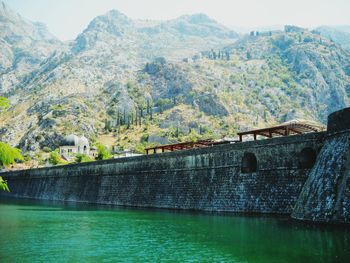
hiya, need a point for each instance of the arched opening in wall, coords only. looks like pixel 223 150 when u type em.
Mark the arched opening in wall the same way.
pixel 249 163
pixel 307 158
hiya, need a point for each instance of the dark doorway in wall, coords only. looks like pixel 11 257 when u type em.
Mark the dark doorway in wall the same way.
pixel 249 163
pixel 307 158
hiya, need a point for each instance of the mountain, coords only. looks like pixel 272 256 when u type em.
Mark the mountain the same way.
pixel 23 45
pixel 339 34
pixel 247 30
pixel 199 25
pixel 107 54
pixel 182 79
pixel 184 36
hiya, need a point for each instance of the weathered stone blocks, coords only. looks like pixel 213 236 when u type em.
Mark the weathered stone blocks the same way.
pixel 325 195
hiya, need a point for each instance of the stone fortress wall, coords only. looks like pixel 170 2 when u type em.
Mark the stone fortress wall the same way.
pixel 306 176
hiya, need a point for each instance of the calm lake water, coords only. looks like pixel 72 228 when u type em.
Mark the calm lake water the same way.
pixel 51 232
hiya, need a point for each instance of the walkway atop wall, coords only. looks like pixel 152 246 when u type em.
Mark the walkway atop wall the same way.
pixel 186 146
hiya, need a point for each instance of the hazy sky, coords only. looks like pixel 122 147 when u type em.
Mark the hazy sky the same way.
pixel 67 18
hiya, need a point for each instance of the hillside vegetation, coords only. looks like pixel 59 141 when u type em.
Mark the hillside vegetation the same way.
pixel 142 83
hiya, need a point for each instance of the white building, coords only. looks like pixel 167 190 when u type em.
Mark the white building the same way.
pixel 73 145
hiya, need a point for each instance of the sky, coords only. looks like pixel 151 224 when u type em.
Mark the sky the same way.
pixel 67 18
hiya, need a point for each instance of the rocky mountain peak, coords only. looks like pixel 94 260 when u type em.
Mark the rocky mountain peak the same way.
pixel 14 28
pixel 3 7
pixel 198 25
pixel 112 22
pixel 116 14
pixel 24 45
pixel 199 18
pixel 104 28
pixel 6 13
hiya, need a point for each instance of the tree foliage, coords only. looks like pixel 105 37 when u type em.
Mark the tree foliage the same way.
pixel 55 158
pixel 3 185
pixel 4 104
pixel 9 155
pixel 82 158
pixel 102 152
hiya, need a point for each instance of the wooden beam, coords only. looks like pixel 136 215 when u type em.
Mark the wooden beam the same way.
pixel 295 131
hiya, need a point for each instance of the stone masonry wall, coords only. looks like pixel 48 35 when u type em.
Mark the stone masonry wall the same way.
pixel 207 179
pixel 325 196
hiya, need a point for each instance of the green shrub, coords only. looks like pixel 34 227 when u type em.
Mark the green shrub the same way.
pixel 47 149
pixel 9 155
pixel 82 158
pixel 103 152
pixel 4 104
pixel 144 137
pixel 26 157
pixel 140 148
pixel 3 185
pixel 55 158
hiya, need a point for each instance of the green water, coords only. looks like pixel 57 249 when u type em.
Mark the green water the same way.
pixel 48 232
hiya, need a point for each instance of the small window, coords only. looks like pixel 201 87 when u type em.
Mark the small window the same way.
pixel 307 158
pixel 249 163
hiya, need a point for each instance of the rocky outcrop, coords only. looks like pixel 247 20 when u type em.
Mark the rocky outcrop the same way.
pixel 24 45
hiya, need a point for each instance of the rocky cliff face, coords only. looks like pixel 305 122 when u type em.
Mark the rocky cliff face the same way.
pixel 23 46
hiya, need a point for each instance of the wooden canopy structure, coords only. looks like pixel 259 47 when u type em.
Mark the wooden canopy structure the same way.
pixel 293 127
pixel 185 146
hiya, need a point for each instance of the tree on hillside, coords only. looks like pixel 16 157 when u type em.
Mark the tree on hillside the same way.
pixel 102 152
pixel 214 55
pixel 249 55
pixel 227 55
pixel 161 103
pixel 8 155
pixel 55 158
pixel 4 104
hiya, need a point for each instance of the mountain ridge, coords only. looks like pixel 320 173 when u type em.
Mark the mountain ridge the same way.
pixel 181 81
